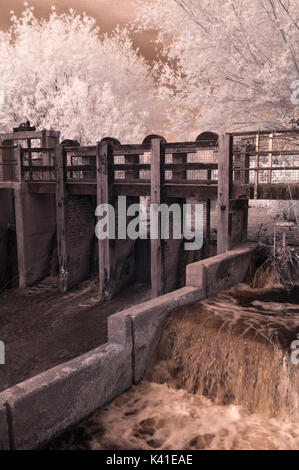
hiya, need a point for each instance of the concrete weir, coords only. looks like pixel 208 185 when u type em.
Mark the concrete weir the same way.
pixel 38 409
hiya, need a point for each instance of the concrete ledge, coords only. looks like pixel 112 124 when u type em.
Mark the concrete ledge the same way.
pixel 47 404
pixel 220 272
pixel 146 323
pixel 4 437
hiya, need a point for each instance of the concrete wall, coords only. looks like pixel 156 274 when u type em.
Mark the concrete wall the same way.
pixel 222 271
pixel 47 404
pixel 147 321
pixel 35 227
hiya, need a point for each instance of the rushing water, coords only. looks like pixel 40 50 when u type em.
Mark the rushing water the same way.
pixel 156 416
pixel 220 378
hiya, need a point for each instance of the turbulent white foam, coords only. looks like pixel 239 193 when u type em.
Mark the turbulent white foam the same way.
pixel 155 416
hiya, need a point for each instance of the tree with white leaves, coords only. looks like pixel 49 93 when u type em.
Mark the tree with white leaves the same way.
pixel 227 64
pixel 62 73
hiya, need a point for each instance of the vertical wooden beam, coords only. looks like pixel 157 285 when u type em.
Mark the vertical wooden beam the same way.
pixel 157 182
pixel 29 153
pixel 20 233
pixel 245 162
pixel 132 174
pixel 104 156
pixel 8 157
pixel 47 141
pixel 245 220
pixel 179 175
pixel 270 159
pixel 61 217
pixel 257 164
pixel 224 192
pixel 18 159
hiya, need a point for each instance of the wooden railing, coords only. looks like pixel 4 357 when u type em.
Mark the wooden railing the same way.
pixel 266 158
pixel 132 163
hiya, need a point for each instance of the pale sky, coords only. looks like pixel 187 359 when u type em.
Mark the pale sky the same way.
pixel 108 14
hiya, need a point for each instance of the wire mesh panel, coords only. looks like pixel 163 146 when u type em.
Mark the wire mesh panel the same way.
pixel 266 158
pixel 202 155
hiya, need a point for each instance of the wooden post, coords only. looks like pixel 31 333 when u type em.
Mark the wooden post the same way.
pixel 104 155
pixel 257 164
pixel 179 175
pixel 132 174
pixel 157 182
pixel 224 192
pixel 29 153
pixel 61 217
pixel 8 167
pixel 270 159
pixel 21 246
pixel 18 159
pixel 47 141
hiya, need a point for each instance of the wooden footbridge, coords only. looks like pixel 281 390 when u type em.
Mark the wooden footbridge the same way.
pixel 230 168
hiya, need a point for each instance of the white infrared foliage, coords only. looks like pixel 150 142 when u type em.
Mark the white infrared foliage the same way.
pixel 63 73
pixel 228 64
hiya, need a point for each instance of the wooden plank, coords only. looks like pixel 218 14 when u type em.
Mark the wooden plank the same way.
pixel 193 181
pixel 89 151
pixel 42 187
pixel 257 161
pixel 190 166
pixel 179 173
pixel 21 246
pixel 23 135
pixel 80 167
pixel 266 168
pixel 208 221
pixel 82 188
pixel 169 148
pixel 18 159
pixel 157 180
pixel 61 217
pixel 131 168
pixel 263 153
pixel 131 150
pixel 105 196
pixel 270 158
pixel 224 190
pixel 189 147
pixel 38 150
pixel 190 191
pixel 265 132
pixel 123 188
pixel 38 168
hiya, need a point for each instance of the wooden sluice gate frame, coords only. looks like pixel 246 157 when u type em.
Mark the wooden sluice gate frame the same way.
pixel 231 170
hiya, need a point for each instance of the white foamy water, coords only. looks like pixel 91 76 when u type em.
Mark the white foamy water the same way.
pixel 154 416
